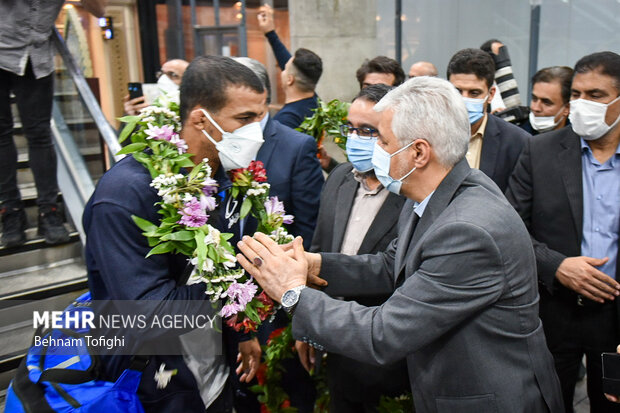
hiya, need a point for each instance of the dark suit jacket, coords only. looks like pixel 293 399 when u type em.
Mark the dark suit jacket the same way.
pixel 501 146
pixel 546 190
pixel 351 379
pixel 465 314
pixel 336 204
pixel 295 176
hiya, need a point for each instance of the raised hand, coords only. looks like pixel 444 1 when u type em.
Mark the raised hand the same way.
pixel 265 19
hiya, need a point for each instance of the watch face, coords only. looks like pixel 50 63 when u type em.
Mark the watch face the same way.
pixel 289 298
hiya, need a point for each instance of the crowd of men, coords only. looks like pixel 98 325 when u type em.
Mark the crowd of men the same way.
pixel 471 260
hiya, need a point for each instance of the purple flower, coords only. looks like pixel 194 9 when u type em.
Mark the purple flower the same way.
pixel 164 133
pixel 230 309
pixel 193 214
pixel 210 186
pixel 274 207
pixel 242 293
pixel 180 143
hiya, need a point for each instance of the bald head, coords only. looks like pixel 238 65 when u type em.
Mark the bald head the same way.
pixel 422 69
pixel 174 69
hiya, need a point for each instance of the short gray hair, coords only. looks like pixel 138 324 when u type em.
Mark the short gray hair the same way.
pixel 430 108
pixel 259 70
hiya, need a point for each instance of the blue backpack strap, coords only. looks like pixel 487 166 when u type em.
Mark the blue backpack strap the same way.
pixel 31 395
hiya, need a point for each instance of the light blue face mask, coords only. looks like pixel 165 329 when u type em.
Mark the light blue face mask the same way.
pixel 381 162
pixel 359 152
pixel 475 108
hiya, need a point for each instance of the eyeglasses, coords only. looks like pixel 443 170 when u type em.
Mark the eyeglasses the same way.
pixel 363 132
pixel 169 73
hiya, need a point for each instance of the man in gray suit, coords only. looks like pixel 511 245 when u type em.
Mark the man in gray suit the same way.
pixel 462 272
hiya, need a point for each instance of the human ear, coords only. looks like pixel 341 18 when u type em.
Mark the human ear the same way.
pixel 491 94
pixel 422 152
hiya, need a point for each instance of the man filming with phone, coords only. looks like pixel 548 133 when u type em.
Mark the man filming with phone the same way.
pixel 168 80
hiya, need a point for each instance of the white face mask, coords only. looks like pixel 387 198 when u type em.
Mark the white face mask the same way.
pixel 545 123
pixel 167 85
pixel 238 148
pixel 588 118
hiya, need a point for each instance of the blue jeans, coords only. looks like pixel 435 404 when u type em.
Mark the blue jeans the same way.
pixel 34 98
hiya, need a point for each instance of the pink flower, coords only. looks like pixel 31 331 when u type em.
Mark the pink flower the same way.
pixel 230 309
pixel 164 133
pixel 242 293
pixel 193 214
pixel 180 143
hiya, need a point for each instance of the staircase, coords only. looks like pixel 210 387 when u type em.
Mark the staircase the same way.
pixel 37 276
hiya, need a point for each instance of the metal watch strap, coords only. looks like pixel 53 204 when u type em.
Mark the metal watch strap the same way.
pixel 297 289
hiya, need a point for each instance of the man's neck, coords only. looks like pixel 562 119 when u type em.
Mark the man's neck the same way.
pixel 605 147
pixel 293 95
pixel 426 184
pixel 198 145
pixel 476 125
pixel 371 182
pixel 561 124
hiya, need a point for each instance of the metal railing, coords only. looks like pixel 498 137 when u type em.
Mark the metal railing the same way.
pixel 74 178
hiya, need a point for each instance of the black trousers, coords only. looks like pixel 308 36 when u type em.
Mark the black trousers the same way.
pixel 593 331
pixel 34 98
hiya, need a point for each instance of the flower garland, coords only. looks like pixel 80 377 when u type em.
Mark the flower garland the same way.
pixel 272 397
pixel 187 198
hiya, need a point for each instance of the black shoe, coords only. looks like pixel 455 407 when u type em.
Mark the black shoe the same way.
pixel 52 227
pixel 13 226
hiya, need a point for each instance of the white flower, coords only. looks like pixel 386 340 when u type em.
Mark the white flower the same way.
pixel 208 265
pixel 213 237
pixel 163 377
pixel 195 279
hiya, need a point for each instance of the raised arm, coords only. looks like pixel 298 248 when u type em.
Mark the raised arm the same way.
pixel 268 27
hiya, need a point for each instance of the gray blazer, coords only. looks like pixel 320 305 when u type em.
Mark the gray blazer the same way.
pixel 464 308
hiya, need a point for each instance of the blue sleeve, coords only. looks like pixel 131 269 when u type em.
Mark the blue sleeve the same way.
pixel 117 249
pixel 307 183
pixel 279 50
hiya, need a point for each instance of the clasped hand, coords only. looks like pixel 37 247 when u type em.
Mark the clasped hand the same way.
pixel 278 268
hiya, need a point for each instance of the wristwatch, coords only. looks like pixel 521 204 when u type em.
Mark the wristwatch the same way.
pixel 290 298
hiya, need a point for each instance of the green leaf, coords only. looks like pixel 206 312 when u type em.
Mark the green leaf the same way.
pixel 201 248
pixel 179 236
pixel 162 248
pixel 194 172
pixel 246 207
pixel 131 121
pixel 211 253
pixel 143 224
pixel 251 313
pixel 185 163
pixel 134 147
pixel 234 192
